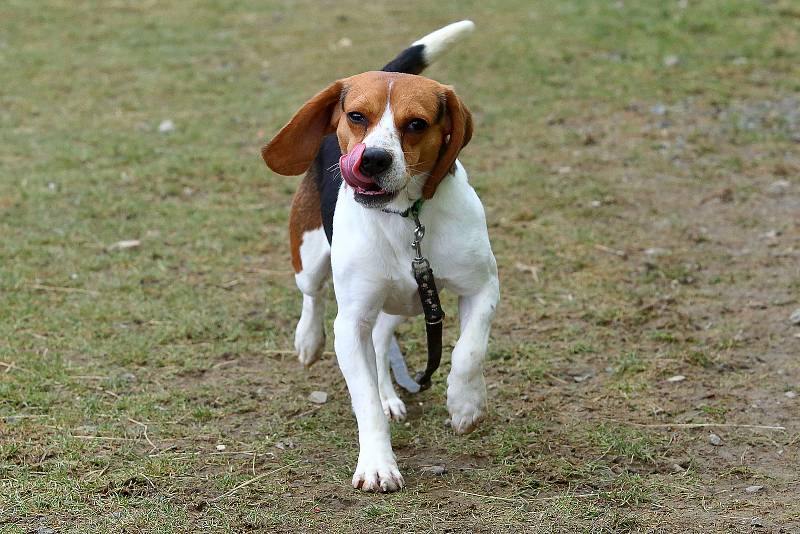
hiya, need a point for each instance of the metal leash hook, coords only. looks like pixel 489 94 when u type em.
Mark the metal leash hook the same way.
pixel 419 233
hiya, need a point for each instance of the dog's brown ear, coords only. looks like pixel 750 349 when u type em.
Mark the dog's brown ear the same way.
pixel 460 131
pixel 292 151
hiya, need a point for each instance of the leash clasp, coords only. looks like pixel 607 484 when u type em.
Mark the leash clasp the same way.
pixel 419 233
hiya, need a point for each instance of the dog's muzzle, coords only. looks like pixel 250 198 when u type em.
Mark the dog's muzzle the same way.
pixel 359 173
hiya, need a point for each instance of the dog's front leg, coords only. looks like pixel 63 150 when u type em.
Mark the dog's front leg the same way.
pixel 377 468
pixel 466 386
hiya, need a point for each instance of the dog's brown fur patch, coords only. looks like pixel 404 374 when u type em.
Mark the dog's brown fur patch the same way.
pixel 305 216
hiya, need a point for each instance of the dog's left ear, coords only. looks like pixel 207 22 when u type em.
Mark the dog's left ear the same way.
pixel 460 132
pixel 292 151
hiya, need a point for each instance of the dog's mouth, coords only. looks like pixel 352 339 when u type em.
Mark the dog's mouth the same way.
pixel 367 191
pixel 373 198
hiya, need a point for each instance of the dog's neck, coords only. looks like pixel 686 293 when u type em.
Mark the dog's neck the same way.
pixel 406 198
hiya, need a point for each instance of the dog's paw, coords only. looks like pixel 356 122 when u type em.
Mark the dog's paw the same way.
pixel 394 408
pixel 309 342
pixel 377 474
pixel 466 402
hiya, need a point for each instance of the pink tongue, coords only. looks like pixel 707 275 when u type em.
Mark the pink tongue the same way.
pixel 349 164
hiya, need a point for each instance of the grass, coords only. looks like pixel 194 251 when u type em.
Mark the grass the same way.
pixel 151 388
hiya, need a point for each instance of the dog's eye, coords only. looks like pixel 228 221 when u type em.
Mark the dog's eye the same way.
pixel 416 125
pixel 356 118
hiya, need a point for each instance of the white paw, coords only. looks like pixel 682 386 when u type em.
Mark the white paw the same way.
pixel 309 341
pixel 394 408
pixel 377 473
pixel 466 402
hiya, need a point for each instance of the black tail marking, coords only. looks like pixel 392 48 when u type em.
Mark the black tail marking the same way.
pixel 410 61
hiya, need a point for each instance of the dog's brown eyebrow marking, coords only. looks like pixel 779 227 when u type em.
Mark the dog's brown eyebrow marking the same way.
pixel 343 95
pixel 441 107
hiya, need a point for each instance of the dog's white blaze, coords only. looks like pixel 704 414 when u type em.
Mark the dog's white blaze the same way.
pixel 385 135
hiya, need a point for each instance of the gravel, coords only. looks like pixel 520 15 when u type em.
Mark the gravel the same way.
pixel 318 397
pixel 437 470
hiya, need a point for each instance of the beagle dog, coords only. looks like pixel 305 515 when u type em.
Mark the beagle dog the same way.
pixel 398 136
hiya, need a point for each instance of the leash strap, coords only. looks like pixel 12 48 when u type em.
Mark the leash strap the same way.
pixel 434 316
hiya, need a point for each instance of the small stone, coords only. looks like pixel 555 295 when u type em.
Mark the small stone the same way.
pixel 345 42
pixel 753 489
pixel 778 188
pixel 741 60
pixel 794 318
pixel 676 378
pixel 130 378
pixel 12 419
pixel 582 378
pixel 166 126
pixel 771 234
pixel 564 170
pixel 656 251
pixel 221 447
pixel 790 395
pixel 285 444
pixel 715 440
pixel 437 470
pixel 658 109
pixel 596 203
pixel 756 522
pixel 45 530
pixel 671 60
pixel 124 244
pixel 318 397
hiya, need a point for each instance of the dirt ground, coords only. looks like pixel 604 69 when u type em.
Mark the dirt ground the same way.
pixel 639 166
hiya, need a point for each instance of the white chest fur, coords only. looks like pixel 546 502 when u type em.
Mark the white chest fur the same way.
pixel 371 252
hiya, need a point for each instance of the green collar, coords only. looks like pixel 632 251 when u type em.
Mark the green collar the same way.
pixel 413 210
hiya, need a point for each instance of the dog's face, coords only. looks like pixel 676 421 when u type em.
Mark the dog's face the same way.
pixel 399 132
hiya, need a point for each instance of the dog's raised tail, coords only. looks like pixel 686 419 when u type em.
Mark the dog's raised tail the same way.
pixel 422 52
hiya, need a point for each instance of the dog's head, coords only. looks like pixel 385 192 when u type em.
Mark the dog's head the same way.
pixel 398 132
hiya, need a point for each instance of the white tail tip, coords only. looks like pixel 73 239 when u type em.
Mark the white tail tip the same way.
pixel 438 42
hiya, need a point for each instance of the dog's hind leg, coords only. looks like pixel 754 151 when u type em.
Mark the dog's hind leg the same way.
pixel 382 339
pixel 311 258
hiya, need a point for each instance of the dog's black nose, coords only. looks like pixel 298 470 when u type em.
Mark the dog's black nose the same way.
pixel 374 161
